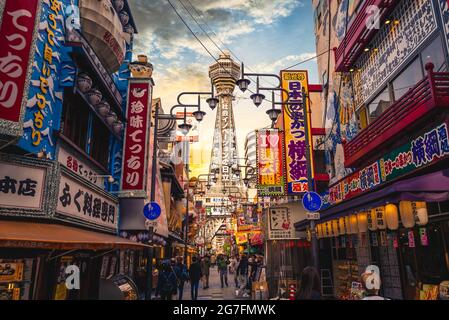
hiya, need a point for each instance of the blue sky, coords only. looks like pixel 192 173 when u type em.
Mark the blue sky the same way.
pixel 268 35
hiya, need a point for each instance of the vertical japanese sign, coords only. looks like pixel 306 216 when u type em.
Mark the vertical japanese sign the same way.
pixel 18 21
pixel 270 162
pixel 136 138
pixel 295 131
pixel 44 105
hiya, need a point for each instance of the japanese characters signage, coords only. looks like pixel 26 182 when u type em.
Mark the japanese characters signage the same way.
pixel 444 11
pixel 79 167
pixel 270 162
pixel 17 29
pixel 21 187
pixel 136 137
pixel 295 131
pixel 84 203
pixel 395 46
pixel 280 224
pixel 422 151
pixel 43 109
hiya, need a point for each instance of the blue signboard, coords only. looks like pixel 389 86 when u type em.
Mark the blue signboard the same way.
pixel 312 201
pixel 152 211
pixel 43 109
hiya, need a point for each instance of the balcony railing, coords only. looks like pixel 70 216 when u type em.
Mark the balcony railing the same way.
pixel 419 102
pixel 359 34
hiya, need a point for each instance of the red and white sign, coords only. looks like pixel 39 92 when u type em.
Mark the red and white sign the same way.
pixel 16 36
pixel 136 136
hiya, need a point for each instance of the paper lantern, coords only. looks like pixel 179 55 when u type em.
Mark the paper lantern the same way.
pixel 413 212
pixel 380 218
pixel 348 230
pixel 326 231
pixel 392 216
pixel 362 222
pixel 372 221
pixel 342 226
pixel 329 229
pixel 353 224
pixel 319 231
pixel 335 230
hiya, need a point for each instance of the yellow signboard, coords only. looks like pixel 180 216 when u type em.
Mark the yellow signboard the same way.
pixel 296 83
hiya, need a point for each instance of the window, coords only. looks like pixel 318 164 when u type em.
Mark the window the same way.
pixel 435 53
pixel 76 120
pixel 379 105
pixel 100 142
pixel 407 79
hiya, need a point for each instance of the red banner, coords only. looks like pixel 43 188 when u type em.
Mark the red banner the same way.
pixel 16 38
pixel 136 136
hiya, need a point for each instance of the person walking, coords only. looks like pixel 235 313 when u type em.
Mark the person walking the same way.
pixel 234 265
pixel 181 275
pixel 195 276
pixel 222 264
pixel 205 271
pixel 310 285
pixel 166 283
pixel 242 273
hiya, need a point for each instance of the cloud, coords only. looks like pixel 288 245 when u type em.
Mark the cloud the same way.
pixel 285 62
pixel 163 35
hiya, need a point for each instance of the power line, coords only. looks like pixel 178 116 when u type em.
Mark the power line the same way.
pixel 202 44
pixel 199 15
pixel 307 60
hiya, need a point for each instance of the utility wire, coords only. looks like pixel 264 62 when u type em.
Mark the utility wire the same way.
pixel 202 44
pixel 224 45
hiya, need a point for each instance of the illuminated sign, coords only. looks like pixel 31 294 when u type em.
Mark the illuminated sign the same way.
pixel 17 32
pixel 426 149
pixel 271 180
pixel 295 133
pixel 136 138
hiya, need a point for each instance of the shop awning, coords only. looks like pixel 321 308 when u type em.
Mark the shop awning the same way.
pixel 19 234
pixel 432 187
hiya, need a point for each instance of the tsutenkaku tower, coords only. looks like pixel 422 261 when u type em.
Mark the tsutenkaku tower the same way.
pixel 224 75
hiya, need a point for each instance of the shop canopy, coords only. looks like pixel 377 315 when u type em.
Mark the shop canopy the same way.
pixel 432 187
pixel 19 234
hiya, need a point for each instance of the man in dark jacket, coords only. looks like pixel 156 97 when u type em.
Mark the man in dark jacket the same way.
pixel 195 276
pixel 167 282
pixel 181 275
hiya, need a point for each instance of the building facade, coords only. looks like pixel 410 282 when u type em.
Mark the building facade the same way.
pixel 384 93
pixel 62 116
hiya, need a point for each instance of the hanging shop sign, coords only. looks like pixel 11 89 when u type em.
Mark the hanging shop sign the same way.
pixel 136 139
pixel 281 225
pixel 193 135
pixel 44 105
pixel 241 238
pixel 86 204
pixel 270 162
pixel 295 131
pixel 79 167
pixel 444 9
pixel 26 186
pixel 19 20
pixel 394 47
pixel 426 149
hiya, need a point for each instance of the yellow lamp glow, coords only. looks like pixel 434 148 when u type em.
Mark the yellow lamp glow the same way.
pixel 353 224
pixel 372 221
pixel 392 216
pixel 406 212
pixel 362 222
pixel 347 225
pixel 335 230
pixel 342 226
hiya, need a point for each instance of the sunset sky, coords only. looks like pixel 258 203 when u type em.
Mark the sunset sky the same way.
pixel 267 35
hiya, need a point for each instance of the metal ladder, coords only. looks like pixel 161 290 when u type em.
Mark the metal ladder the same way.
pixel 327 287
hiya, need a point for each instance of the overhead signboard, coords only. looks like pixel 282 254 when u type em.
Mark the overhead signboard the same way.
pixel 19 20
pixel 134 179
pixel 270 162
pixel 295 83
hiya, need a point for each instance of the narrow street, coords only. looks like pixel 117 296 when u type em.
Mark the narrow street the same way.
pixel 215 292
